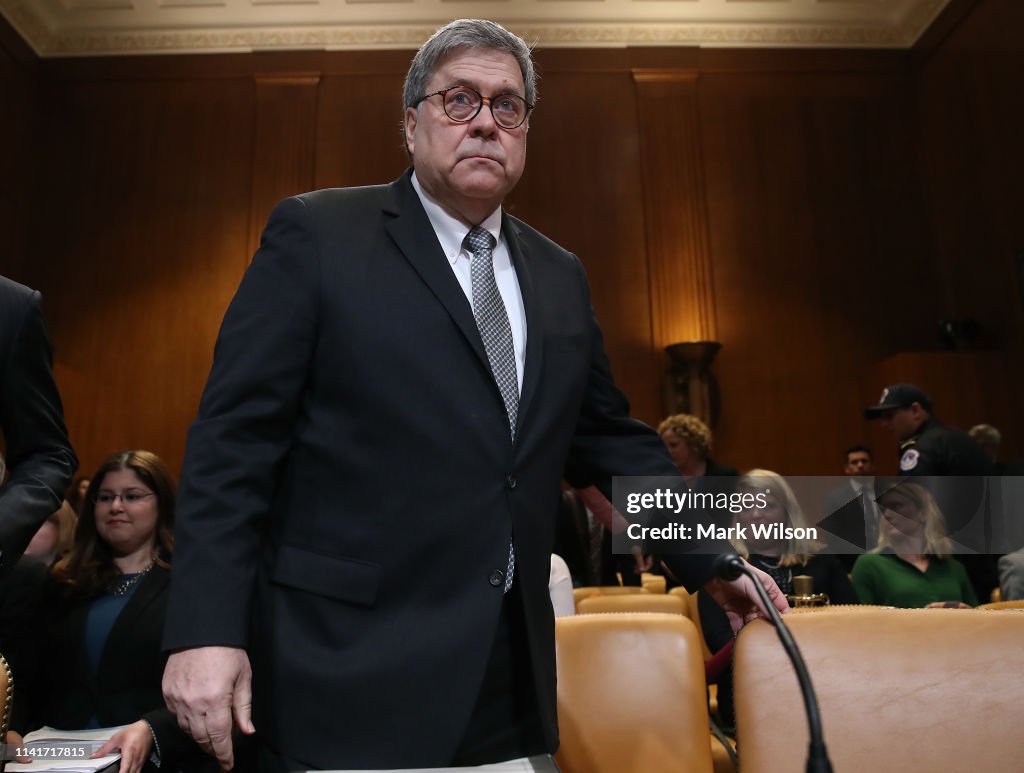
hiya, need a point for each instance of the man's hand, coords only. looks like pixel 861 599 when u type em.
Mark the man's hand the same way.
pixel 740 600
pixel 135 743
pixel 204 687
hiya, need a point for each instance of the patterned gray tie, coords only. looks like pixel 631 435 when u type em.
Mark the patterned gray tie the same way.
pixel 492 320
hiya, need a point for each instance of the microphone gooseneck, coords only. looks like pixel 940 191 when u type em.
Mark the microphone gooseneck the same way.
pixel 729 567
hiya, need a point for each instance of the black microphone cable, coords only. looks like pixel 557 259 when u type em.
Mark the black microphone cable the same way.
pixel 729 567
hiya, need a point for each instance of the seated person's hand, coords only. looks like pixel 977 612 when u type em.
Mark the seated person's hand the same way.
pixel 740 600
pixel 948 605
pixel 13 741
pixel 135 743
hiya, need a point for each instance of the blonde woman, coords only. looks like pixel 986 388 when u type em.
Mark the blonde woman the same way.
pixel 779 540
pixel 913 564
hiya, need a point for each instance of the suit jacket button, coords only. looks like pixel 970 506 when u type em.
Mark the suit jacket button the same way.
pixel 497 578
pixel 511 480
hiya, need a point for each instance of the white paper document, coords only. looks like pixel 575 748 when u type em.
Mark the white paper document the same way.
pixel 64 750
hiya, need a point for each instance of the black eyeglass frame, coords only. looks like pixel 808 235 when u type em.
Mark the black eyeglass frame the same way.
pixel 480 106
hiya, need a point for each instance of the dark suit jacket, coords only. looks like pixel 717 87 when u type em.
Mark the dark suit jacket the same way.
pixel 127 684
pixel 21 635
pixel 39 456
pixel 350 484
pixel 844 516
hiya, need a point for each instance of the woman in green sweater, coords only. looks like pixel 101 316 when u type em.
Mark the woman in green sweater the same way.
pixel 912 565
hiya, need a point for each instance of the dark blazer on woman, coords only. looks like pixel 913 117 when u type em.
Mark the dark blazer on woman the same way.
pixel 127 684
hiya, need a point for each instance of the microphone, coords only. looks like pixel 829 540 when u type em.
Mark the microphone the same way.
pixel 729 567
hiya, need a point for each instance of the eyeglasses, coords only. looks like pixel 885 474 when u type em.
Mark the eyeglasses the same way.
pixel 128 498
pixel 462 104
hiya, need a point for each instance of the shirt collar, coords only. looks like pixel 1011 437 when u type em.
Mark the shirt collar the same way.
pixel 861 487
pixel 451 232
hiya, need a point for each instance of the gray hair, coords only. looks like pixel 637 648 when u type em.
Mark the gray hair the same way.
pixel 467 33
pixel 986 434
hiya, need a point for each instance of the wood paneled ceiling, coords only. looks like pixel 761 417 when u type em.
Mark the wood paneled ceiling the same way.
pixel 57 28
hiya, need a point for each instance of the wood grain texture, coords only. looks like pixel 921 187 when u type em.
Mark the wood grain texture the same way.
pixel 849 200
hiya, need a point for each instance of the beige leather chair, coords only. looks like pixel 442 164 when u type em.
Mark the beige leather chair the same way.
pixel 839 608
pixel 1004 605
pixel 655 583
pixel 631 695
pixel 636 602
pixel 900 690
pixel 587 591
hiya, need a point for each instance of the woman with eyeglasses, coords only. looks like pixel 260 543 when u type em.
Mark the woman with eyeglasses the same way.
pixel 102 664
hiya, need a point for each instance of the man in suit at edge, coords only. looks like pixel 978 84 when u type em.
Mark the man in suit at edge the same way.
pixel 393 604
pixel 40 461
pixel 39 455
pixel 853 503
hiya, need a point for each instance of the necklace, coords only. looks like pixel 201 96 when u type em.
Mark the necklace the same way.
pixel 126 582
pixel 783 576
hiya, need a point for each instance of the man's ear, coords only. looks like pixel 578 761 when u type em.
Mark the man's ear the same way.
pixel 411 115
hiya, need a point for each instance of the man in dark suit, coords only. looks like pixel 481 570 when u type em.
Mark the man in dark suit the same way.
pixel 850 509
pixel 39 456
pixel 369 492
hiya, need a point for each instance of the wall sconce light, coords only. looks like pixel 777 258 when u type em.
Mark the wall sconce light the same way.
pixel 689 385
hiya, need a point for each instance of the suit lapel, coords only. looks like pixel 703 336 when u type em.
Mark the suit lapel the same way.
pixel 534 325
pixel 411 230
pixel 148 590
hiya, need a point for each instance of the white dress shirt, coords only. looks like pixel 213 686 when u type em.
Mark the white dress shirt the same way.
pixel 451 233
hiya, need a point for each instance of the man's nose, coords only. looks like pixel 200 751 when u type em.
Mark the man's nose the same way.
pixel 483 122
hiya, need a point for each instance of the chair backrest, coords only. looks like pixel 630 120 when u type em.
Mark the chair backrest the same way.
pixel 637 602
pixel 586 591
pixel 6 698
pixel 654 583
pixel 631 695
pixel 1004 605
pixel 840 608
pixel 899 689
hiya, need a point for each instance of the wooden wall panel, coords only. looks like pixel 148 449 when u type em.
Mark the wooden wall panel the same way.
pixel 155 175
pixel 284 147
pixel 583 188
pixel 19 90
pixel 681 286
pixel 814 216
pixel 972 110
pixel 141 223
pixel 359 133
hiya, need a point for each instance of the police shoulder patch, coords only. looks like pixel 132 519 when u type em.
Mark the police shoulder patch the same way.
pixel 909 459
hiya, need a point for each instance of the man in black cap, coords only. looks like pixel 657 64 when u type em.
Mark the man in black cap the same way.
pixel 929 448
pixel 926 446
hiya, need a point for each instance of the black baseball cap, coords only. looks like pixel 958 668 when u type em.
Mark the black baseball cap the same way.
pixel 898 396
